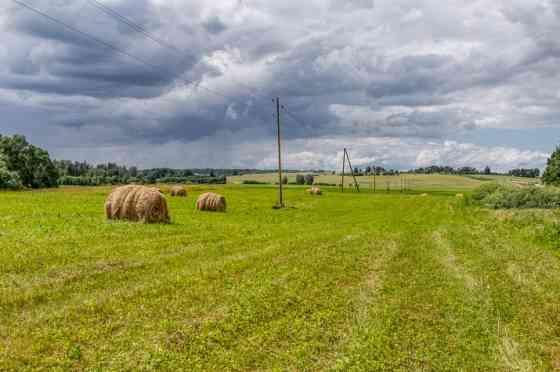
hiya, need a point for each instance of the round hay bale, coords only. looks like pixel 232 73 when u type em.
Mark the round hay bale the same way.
pixel 137 203
pixel 178 191
pixel 211 202
pixel 424 195
pixel 460 196
pixel 315 191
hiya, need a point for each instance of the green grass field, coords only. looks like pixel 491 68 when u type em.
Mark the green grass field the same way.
pixel 419 182
pixel 363 282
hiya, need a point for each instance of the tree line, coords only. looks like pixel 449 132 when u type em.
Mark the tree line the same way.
pixel 85 174
pixel 522 172
pixel 23 165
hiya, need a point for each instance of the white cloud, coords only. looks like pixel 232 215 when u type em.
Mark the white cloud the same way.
pixel 468 154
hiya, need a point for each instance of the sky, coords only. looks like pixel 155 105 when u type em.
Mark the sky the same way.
pixel 400 83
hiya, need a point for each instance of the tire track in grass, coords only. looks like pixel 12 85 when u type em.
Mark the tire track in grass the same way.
pixel 366 295
pixel 527 305
pixel 509 351
pixel 290 323
pixel 423 319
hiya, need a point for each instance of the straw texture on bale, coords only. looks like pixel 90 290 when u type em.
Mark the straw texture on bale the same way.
pixel 178 191
pixel 137 203
pixel 211 202
pixel 315 191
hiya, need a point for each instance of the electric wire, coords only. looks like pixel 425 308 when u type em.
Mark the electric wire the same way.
pixel 121 18
pixel 121 51
pixel 139 28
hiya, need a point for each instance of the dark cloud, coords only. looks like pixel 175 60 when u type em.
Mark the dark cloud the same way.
pixel 214 25
pixel 411 70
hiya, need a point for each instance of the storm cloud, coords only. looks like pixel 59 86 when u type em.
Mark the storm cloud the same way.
pixel 401 83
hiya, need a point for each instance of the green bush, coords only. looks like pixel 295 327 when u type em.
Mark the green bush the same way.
pixel 484 191
pixel 300 179
pixel 502 197
pixel 32 164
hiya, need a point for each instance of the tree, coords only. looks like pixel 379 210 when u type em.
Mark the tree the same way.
pixel 8 179
pixel 284 180
pixel 300 179
pixel 32 164
pixel 522 172
pixel 487 170
pixel 551 175
pixel 309 179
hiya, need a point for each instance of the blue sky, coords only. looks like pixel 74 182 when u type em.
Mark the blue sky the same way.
pixel 400 83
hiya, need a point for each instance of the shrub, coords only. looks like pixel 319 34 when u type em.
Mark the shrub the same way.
pixel 501 197
pixel 309 178
pixel 284 180
pixel 484 191
pixel 253 182
pixel 300 179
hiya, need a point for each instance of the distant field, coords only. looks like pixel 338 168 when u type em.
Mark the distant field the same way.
pixel 343 282
pixel 426 182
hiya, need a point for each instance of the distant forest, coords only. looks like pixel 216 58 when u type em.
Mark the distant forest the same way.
pixel 23 165
pixel 86 174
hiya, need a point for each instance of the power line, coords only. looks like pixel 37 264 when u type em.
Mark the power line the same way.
pixel 117 49
pixel 85 34
pixel 139 28
pixel 121 18
pixel 299 121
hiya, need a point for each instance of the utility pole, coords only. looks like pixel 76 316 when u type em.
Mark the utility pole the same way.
pixel 343 168
pixel 352 170
pixel 280 190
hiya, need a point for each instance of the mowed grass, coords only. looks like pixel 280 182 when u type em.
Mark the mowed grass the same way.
pixel 338 282
pixel 417 182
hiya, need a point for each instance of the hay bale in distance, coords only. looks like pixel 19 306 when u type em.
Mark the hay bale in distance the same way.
pixel 424 195
pixel 178 191
pixel 315 191
pixel 211 202
pixel 137 203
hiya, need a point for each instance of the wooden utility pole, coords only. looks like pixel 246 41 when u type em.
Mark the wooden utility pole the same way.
pixel 352 170
pixel 343 168
pixel 280 190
